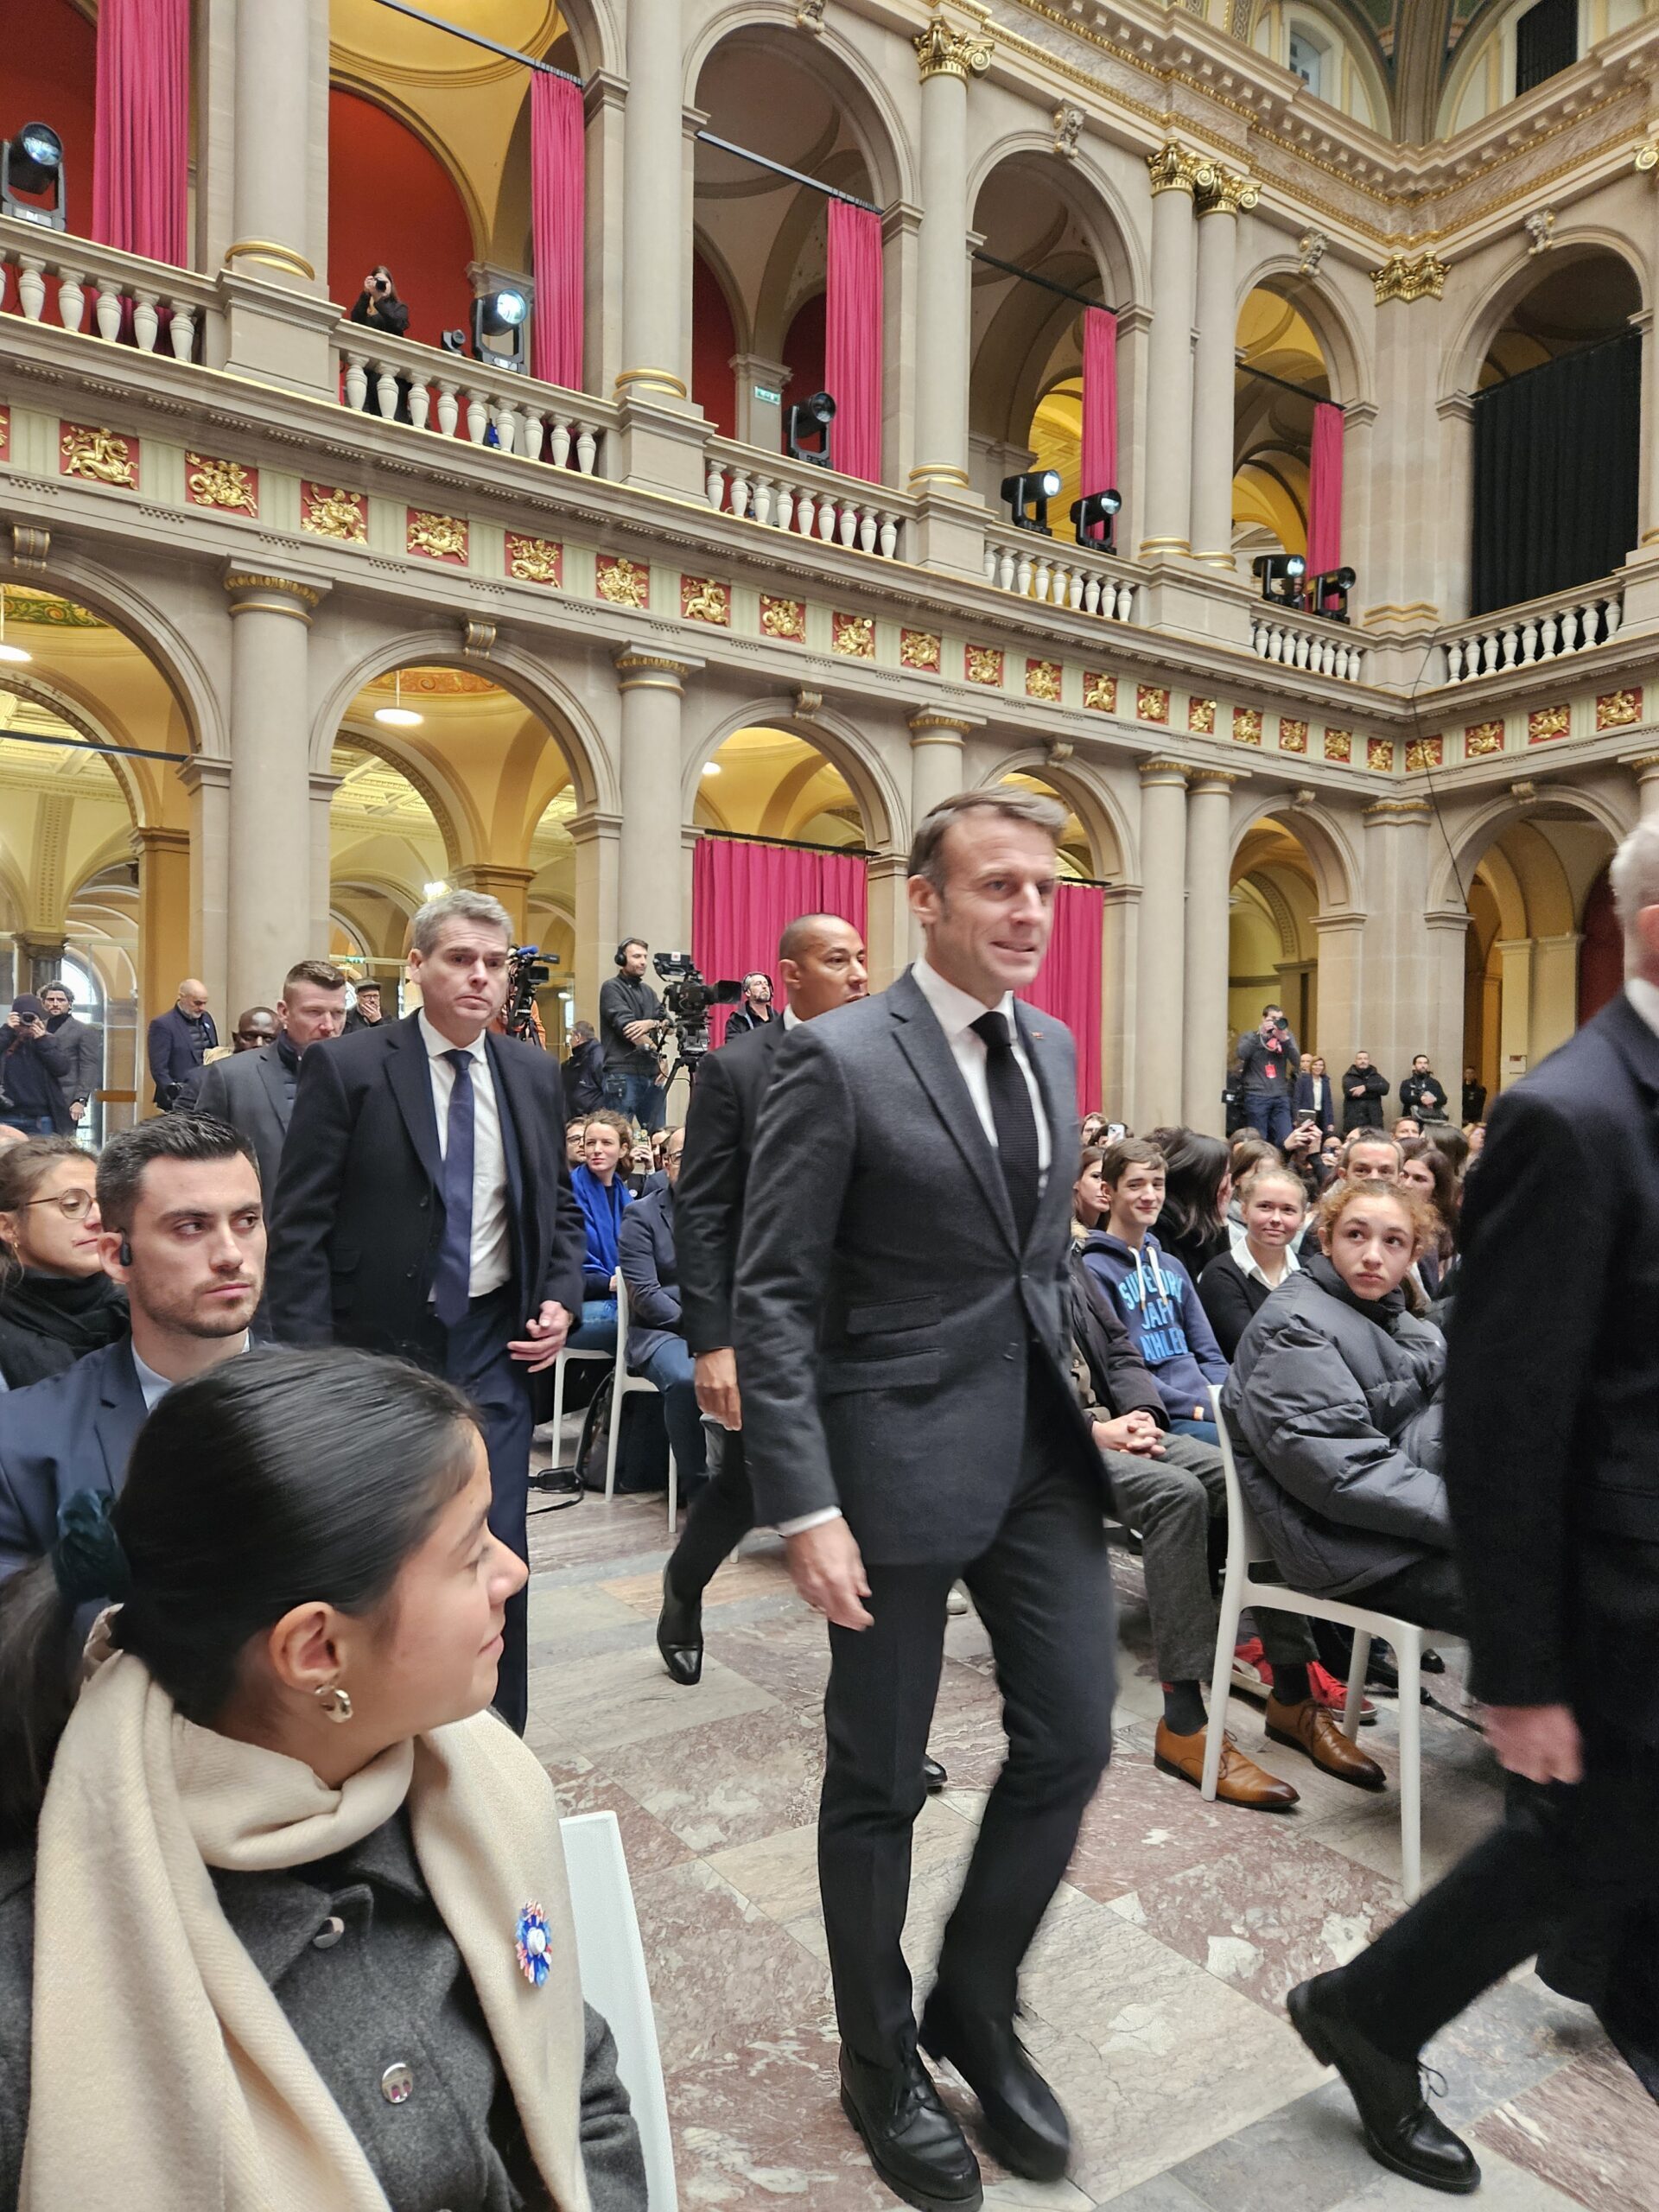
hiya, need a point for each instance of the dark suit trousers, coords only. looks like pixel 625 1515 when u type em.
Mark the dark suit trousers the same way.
pixel 477 1362
pixel 1044 1592
pixel 722 1515
pixel 1565 1867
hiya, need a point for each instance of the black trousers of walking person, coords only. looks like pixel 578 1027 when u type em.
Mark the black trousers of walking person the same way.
pixel 722 1515
pixel 476 1360
pixel 1043 1591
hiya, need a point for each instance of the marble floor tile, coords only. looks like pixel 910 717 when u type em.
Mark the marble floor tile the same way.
pixel 787 1656
pixel 1143 1826
pixel 731 1780
pixel 756 1574
pixel 1503 2188
pixel 724 1976
pixel 1589 2131
pixel 779 1873
pixel 622 1697
pixel 617 1528
pixel 570 1616
pixel 581 1786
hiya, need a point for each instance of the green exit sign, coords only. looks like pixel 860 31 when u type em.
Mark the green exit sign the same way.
pixel 767 396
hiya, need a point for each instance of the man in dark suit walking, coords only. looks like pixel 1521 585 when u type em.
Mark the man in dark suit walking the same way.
pixel 899 1319
pixel 179 1039
pixel 1552 1410
pixel 183 1230
pixel 254 1092
pixel 423 1206
pixel 822 961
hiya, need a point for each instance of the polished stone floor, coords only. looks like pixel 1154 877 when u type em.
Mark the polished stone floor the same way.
pixel 1154 1993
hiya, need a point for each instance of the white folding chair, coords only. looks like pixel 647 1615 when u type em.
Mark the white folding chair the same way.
pixel 559 1364
pixel 615 1982
pixel 1239 1588
pixel 625 1382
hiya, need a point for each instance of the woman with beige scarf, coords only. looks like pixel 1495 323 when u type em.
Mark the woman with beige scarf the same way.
pixel 283 1920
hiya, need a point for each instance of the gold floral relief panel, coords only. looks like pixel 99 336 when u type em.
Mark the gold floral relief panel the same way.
pixel 1099 692
pixel 983 664
pixel 227 484
pixel 1293 734
pixel 1614 709
pixel 100 456
pixel 1425 753
pixel 1481 738
pixel 437 537
pixel 1379 754
pixel 784 618
pixel 1043 680
pixel 854 635
pixel 1338 745
pixel 702 599
pixel 1545 722
pixel 921 649
pixel 535 560
pixel 5 434
pixel 622 581
pixel 1247 725
pixel 330 510
pixel 1201 717
pixel 1152 702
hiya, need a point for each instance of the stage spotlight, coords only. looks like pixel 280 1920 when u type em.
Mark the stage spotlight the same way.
pixel 1328 594
pixel 1028 496
pixel 1091 519
pixel 1282 577
pixel 811 419
pixel 33 163
pixel 399 716
pixel 498 329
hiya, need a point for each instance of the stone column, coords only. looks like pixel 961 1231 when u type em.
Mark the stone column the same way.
pixel 1645 768
pixel 1554 993
pixel 1221 193
pixel 890 941
pixel 605 105
pixel 1443 1039
pixel 597 838
pixel 1118 985
pixel 1514 1017
pixel 1342 938
pixel 270 835
pixel 208 783
pixel 1209 841
pixel 1401 973
pixel 1648 515
pixel 1168 510
pixel 323 788
pixel 1161 965
pixel 163 858
pixel 936 771
pixel 510 884
pixel 656 235
pixel 653 687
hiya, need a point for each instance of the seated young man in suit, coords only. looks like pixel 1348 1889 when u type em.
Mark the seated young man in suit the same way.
pixel 184 1232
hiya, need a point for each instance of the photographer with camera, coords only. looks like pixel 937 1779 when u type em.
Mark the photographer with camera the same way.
pixel 379 305
pixel 631 1024
pixel 32 1069
pixel 1268 1066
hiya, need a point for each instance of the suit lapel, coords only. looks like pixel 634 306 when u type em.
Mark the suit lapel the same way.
pixel 1033 1028
pixel 119 1417
pixel 411 1086
pixel 271 1071
pixel 922 1041
pixel 517 1112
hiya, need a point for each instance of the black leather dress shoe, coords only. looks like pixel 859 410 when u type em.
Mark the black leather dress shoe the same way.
pixel 1024 2124
pixel 934 1776
pixel 914 2145
pixel 679 1636
pixel 1400 2132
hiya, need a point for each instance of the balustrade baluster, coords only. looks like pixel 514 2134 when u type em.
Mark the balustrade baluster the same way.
pixel 145 320
pixel 847 526
pixel 385 391
pixel 533 432
pixel 888 540
pixel 72 299
pixel 107 313
pixel 31 287
pixel 828 512
pixel 1022 575
pixel 785 505
pixel 448 410
pixel 1005 568
pixel 181 330
pixel 420 402
pixel 559 446
pixel 357 383
pixel 1092 594
pixel 1547 635
pixel 1613 615
pixel 714 485
pixel 740 494
pixel 1529 641
pixel 868 530
pixel 764 492
pixel 586 448
pixel 478 417
pixel 506 427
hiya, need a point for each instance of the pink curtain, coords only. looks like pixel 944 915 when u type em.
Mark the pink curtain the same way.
pixel 1068 983
pixel 557 187
pixel 852 352
pixel 742 895
pixel 141 144
pixel 1099 403
pixel 1324 491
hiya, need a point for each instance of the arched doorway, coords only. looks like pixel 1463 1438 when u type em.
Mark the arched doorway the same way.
pixel 1273 948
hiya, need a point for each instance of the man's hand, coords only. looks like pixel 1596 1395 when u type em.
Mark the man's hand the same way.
pixel 545 1340
pixel 637 1032
pixel 77 1108
pixel 827 1570
pixel 1539 1741
pixel 1137 1432
pixel 717 1392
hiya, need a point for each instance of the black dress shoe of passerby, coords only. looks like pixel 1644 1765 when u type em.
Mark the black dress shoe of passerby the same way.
pixel 1024 2124
pixel 1400 2132
pixel 914 2145
pixel 934 1776
pixel 679 1635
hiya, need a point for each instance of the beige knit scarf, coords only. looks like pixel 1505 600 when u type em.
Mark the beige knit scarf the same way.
pixel 166 2075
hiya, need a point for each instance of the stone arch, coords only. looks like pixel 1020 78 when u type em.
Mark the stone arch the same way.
pixel 1322 835
pixel 1484 319
pixel 374 93
pixel 882 810
pixel 1110 844
pixel 450 808
pixel 1347 356
pixel 1469 840
pixel 1097 206
pixel 130 785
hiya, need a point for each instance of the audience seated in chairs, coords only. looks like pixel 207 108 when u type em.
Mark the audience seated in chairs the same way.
pixel 1170 1490
pixel 657 1345
pixel 195 1816
pixel 1198 1188
pixel 600 1188
pixel 56 1302
pixel 1334 1408
pixel 1235 1285
pixel 1154 1292
pixel 1425 1168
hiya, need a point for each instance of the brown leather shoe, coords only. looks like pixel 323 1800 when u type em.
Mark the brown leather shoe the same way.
pixel 1241 1781
pixel 1308 1727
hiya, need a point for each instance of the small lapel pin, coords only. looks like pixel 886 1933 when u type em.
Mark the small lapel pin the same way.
pixel 530 1945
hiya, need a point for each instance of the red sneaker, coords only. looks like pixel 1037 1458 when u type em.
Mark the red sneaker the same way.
pixel 1251 1672
pixel 1334 1696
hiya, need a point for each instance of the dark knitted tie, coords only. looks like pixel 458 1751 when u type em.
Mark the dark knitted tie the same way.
pixel 452 1285
pixel 1016 1125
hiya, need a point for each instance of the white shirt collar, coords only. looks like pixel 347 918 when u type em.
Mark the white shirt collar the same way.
pixel 1246 1260
pixel 1644 997
pixel 437 1044
pixel 791 1020
pixel 957 1010
pixel 153 1387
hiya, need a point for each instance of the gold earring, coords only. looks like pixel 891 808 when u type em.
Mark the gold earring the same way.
pixel 336 1702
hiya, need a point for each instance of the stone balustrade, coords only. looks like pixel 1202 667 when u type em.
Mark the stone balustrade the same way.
pixel 1544 629
pixel 455 396
pixel 1044 569
pixel 1324 649
pixel 50 276
pixel 769 488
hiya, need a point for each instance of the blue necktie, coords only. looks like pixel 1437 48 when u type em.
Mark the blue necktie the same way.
pixel 453 1279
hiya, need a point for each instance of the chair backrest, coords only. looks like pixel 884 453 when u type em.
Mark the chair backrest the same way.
pixel 1242 1529
pixel 615 1982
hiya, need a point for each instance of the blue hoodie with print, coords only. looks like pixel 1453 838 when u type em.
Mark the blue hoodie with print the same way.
pixel 1154 1294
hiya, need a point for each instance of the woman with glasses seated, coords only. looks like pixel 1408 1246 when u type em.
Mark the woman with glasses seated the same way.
pixel 56 1302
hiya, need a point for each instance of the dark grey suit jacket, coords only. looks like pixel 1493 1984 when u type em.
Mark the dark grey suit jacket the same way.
pixel 74 1431
pixel 248 1090
pixel 885 1313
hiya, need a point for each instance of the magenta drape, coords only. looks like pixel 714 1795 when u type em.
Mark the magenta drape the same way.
pixel 141 139
pixel 557 196
pixel 1099 404
pixel 852 350
pixel 742 895
pixel 1324 491
pixel 1068 983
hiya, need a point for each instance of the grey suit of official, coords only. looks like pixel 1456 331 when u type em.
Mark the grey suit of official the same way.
pixel 900 1356
pixel 250 1091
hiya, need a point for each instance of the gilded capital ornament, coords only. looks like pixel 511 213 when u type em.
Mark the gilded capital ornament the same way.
pixel 1225 192
pixel 1410 277
pixel 941 52
pixel 1172 168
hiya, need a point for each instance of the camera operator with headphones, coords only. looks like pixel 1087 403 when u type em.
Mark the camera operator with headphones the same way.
pixel 631 1023
pixel 1268 1066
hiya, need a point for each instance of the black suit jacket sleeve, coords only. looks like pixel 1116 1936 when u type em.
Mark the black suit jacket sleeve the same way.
pixel 1520 1350
pixel 709 1208
pixel 302 1210
pixel 562 1282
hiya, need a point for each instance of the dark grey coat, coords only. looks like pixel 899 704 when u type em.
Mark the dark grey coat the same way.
pixel 1335 1418
pixel 368 1976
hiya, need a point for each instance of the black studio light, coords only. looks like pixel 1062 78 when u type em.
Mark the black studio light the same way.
pixel 806 429
pixel 1029 496
pixel 31 162
pixel 1092 519
pixel 1280 576
pixel 1327 594
pixel 499 320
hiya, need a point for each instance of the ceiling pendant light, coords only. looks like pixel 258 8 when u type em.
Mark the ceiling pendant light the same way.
pixel 397 715
pixel 8 652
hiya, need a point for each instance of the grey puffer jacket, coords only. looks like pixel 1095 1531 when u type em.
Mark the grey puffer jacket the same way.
pixel 1333 1406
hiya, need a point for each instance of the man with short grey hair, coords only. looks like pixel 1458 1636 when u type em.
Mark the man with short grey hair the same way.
pixel 423 1206
pixel 254 1092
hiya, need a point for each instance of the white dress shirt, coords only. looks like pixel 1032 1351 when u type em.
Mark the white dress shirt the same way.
pixel 492 1248
pixel 1644 997
pixel 1246 1259
pixel 791 1020
pixel 154 1387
